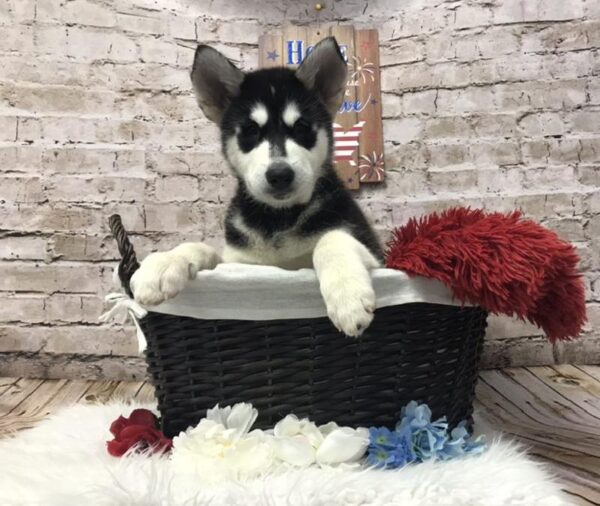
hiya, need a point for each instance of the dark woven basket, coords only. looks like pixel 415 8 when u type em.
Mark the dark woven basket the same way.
pixel 425 352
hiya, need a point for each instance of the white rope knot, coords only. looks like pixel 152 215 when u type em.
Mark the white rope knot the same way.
pixel 123 306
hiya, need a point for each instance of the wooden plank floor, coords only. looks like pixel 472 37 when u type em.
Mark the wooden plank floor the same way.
pixel 554 411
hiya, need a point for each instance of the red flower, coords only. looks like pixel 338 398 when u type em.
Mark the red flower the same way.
pixel 137 417
pixel 140 430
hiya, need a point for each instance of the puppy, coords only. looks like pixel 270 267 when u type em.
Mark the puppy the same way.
pixel 290 210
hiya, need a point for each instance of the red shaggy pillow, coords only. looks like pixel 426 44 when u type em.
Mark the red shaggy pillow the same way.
pixel 501 262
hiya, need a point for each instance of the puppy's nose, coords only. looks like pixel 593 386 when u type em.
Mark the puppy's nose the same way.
pixel 280 176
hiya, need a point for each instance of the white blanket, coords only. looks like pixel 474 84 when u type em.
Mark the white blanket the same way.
pixel 257 292
pixel 63 462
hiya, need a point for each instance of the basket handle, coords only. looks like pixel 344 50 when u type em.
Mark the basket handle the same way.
pixel 128 264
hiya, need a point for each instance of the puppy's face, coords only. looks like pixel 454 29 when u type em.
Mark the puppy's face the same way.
pixel 275 123
pixel 276 136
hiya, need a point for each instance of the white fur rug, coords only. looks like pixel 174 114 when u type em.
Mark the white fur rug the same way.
pixel 63 462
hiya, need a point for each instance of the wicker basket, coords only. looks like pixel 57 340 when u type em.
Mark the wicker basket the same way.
pixel 421 351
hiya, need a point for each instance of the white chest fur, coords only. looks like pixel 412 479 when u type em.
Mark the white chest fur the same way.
pixel 284 249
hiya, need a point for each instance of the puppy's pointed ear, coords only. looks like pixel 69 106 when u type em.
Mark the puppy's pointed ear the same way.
pixel 216 81
pixel 324 71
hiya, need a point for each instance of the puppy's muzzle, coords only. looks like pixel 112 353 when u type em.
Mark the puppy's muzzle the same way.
pixel 280 177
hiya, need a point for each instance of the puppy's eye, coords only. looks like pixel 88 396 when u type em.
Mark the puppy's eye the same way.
pixel 302 128
pixel 250 130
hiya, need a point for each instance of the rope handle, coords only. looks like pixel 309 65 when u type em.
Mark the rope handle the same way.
pixel 128 264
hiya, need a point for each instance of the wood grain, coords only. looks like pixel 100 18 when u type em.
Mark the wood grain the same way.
pixel 552 415
pixel 101 391
pixel 530 429
pixel 293 33
pixel 347 170
pixel 529 391
pixel 590 370
pixel 16 393
pixel 127 390
pixel 7 383
pixel 270 45
pixel 574 387
pixel 365 69
pixel 41 402
pixel 145 393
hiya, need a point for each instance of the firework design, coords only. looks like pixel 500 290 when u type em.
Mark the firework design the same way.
pixel 362 70
pixel 371 167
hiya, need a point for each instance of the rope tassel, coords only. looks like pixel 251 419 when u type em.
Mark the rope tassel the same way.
pixel 121 305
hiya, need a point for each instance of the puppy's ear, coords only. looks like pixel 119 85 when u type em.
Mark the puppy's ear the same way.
pixel 324 71
pixel 216 81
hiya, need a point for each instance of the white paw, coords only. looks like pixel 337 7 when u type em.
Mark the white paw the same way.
pixel 350 305
pixel 160 277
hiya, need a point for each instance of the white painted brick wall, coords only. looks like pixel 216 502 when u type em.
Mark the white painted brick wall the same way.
pixel 488 104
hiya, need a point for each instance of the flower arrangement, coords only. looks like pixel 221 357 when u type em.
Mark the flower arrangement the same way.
pixel 223 445
pixel 416 439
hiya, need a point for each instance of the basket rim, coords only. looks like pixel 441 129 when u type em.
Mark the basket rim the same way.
pixel 251 292
pixel 264 292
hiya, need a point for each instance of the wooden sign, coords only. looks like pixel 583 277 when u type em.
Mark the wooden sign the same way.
pixel 357 128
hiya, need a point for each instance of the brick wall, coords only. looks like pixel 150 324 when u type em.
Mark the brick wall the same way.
pixel 486 103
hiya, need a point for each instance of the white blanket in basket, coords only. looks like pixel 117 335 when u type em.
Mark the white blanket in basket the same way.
pixel 258 292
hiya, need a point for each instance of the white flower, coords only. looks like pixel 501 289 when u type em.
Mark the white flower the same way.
pixel 292 426
pixel 240 417
pixel 301 443
pixel 328 428
pixel 297 441
pixel 221 446
pixel 343 445
pixel 295 450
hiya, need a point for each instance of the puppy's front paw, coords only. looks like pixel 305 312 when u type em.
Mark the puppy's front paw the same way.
pixel 350 305
pixel 160 277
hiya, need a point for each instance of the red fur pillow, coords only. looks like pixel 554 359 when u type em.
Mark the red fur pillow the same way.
pixel 500 262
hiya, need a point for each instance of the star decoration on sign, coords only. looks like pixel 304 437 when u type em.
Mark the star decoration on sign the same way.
pixel 272 55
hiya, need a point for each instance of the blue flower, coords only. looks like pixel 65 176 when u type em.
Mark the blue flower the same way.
pixel 381 454
pixel 428 437
pixel 383 438
pixel 430 440
pixel 405 449
pixel 381 457
pixel 414 414
pixel 416 438
pixel 460 443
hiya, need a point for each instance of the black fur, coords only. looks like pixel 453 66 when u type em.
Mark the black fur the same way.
pixel 331 206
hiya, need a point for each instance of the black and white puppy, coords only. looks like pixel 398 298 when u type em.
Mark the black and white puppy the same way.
pixel 290 210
